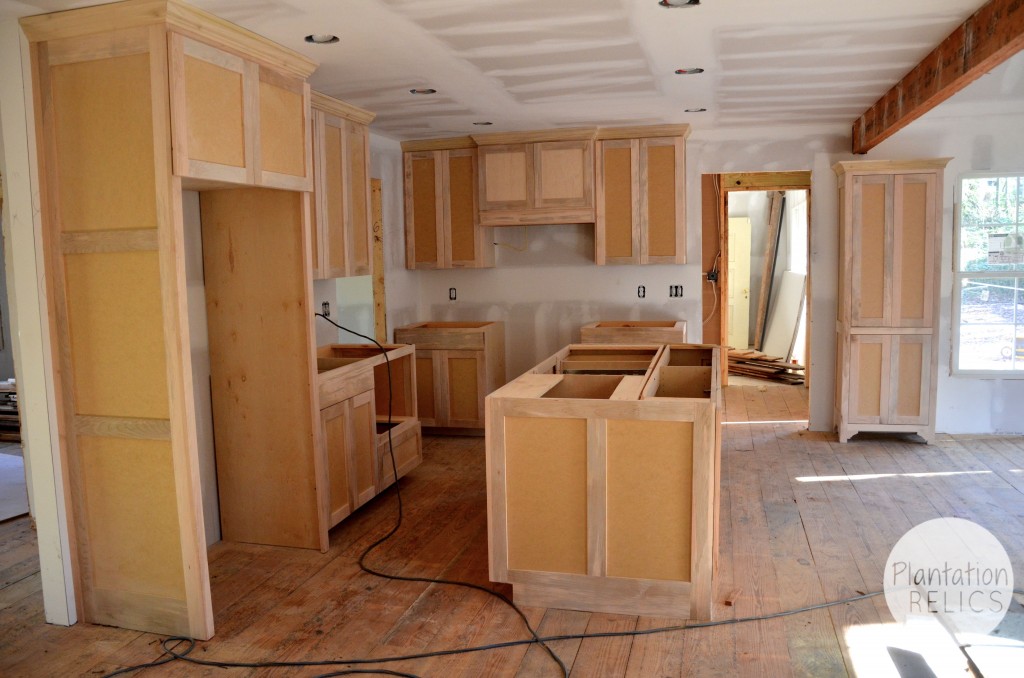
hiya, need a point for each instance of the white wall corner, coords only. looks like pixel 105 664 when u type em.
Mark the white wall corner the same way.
pixel 30 326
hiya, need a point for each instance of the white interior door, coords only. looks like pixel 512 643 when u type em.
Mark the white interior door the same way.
pixel 739 282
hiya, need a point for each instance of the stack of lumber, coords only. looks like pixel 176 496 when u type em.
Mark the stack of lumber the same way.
pixel 10 421
pixel 762 366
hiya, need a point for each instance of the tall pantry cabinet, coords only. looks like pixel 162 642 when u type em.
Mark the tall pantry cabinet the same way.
pixel 890 213
pixel 136 102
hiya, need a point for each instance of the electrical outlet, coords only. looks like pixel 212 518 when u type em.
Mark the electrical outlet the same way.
pixel 325 309
pixel 451 294
pixel 641 292
pixel 675 291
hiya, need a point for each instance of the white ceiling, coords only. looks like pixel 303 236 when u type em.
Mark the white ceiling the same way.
pixel 535 64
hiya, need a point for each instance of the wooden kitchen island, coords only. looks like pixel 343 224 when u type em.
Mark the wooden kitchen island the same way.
pixel 603 480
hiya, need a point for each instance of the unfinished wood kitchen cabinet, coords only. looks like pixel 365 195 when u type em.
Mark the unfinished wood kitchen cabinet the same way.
pixel 353 383
pixel 544 177
pixel 234 119
pixel 890 215
pixel 603 480
pixel 442 228
pixel 342 224
pixel 641 195
pixel 457 365
pixel 119 120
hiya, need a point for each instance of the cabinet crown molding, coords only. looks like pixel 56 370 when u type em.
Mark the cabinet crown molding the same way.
pixel 888 166
pixel 537 136
pixel 447 144
pixel 643 132
pixel 178 15
pixel 341 109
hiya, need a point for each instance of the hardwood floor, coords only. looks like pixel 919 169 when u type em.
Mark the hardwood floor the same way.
pixel 805 520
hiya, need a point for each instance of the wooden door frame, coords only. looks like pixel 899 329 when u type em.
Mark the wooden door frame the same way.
pixel 757 181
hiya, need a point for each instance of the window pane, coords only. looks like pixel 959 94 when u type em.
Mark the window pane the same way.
pixel 992 324
pixel 991 237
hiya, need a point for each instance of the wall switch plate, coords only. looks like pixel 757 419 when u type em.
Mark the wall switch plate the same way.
pixel 451 294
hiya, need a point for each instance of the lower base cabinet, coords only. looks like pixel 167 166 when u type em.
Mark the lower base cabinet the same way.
pixel 354 423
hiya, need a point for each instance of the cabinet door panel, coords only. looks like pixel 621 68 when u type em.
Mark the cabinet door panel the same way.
pixel 911 375
pixel 335 425
pixel 617 234
pixel 357 224
pixel 423 218
pixel 209 114
pixel 871 250
pixel 460 189
pixel 505 175
pixel 464 374
pixel 662 188
pixel 564 174
pixel 913 250
pixel 869 378
pixel 363 449
pixel 333 217
pixel 282 150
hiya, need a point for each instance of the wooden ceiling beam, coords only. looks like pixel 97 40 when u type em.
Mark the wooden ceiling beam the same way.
pixel 988 38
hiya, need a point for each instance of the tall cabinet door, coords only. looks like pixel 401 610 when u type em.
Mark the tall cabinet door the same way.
pixel 913 250
pixel 617 228
pixel 870 250
pixel 362 447
pixel 464 246
pixel 424 215
pixel 662 191
pixel 358 226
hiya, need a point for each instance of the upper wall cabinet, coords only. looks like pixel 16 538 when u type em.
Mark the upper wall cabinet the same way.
pixel 237 121
pixel 442 229
pixel 536 177
pixel 342 223
pixel 641 195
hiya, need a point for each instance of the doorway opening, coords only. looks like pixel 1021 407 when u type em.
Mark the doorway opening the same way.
pixel 757 273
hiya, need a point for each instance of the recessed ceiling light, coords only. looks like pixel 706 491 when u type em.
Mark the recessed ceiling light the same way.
pixel 425 90
pixel 322 38
pixel 689 71
pixel 679 3
pixel 695 110
pixel 484 122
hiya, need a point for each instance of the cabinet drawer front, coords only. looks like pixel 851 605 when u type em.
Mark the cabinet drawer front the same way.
pixel 432 340
pixel 340 388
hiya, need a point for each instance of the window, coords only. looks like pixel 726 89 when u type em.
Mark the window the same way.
pixel 988 319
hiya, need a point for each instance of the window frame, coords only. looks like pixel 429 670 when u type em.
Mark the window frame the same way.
pixel 959 276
